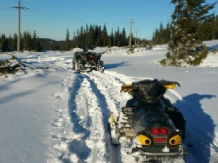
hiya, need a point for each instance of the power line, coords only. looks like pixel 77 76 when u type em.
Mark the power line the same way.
pixel 18 38
pixel 76 18
pixel 4 8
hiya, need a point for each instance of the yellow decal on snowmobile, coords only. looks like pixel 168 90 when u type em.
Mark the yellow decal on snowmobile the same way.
pixel 175 140
pixel 144 140
pixel 126 87
pixel 111 118
pixel 169 86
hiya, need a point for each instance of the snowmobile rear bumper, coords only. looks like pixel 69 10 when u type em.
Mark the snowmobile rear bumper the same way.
pixel 162 154
pixel 146 156
pixel 141 152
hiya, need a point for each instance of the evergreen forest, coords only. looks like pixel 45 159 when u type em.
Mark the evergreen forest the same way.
pixel 92 35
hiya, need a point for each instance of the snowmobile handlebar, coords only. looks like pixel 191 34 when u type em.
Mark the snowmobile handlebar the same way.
pixel 169 84
pixel 135 85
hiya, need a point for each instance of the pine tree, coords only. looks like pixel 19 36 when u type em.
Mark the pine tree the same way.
pixel 36 44
pixel 111 39
pixel 14 45
pixel 124 41
pixel 67 40
pixel 167 33
pixel 161 35
pixel 4 43
pixel 206 29
pixel 74 40
pixel 104 36
pixel 216 27
pixel 117 37
pixel 187 17
pixel 26 41
pixel 90 36
pixel 10 43
pixel 34 41
pixel 81 36
pixel 99 36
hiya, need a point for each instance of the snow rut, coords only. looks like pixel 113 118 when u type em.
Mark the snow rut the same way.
pixel 93 97
pixel 61 130
pixel 90 115
pixel 109 85
pixel 79 129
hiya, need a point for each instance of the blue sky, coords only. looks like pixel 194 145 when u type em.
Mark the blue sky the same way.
pixel 51 18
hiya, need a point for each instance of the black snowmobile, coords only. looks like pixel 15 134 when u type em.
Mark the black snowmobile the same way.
pixel 87 61
pixel 155 127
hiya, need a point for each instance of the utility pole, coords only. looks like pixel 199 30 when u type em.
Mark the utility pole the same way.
pixel 136 36
pixel 130 35
pixel 18 35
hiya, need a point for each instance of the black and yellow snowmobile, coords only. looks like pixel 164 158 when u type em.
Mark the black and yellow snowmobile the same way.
pixel 155 127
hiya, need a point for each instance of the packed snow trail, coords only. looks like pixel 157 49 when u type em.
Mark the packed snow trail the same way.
pixel 110 87
pixel 90 118
pixel 89 102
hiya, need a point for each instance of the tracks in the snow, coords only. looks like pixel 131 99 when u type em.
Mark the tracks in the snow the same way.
pixel 91 98
pixel 91 103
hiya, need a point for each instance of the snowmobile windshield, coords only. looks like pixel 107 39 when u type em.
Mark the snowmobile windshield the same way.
pixel 148 90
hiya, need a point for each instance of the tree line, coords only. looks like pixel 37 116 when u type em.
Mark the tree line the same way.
pixel 30 42
pixel 208 30
pixel 86 36
pixel 97 36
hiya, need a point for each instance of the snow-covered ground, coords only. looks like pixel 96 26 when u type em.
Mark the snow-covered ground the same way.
pixel 58 116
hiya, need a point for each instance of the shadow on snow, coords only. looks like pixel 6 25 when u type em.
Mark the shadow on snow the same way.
pixel 19 95
pixel 200 128
pixel 114 65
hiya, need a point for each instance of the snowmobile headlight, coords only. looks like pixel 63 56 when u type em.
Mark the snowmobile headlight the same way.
pixel 169 86
pixel 144 140
pixel 175 140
